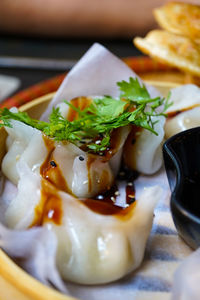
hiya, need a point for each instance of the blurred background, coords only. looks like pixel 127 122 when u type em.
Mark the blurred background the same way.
pixel 42 39
pixel 33 59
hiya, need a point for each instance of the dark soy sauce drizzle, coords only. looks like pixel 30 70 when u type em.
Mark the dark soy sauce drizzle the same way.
pixel 108 203
pixel 129 177
pixel 50 170
pixel 49 209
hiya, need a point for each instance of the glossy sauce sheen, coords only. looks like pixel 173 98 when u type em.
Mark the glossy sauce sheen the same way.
pixel 106 208
pixel 50 170
pixel 104 203
pixel 50 207
pixel 102 180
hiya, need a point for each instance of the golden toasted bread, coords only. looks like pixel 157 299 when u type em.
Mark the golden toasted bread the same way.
pixel 172 49
pixel 180 18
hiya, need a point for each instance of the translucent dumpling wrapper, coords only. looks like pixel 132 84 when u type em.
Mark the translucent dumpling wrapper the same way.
pixel 183 121
pixel 143 149
pixel 36 250
pixel 184 97
pixel 184 113
pixel 118 241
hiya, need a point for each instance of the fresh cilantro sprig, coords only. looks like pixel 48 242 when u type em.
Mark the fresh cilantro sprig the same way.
pixel 93 128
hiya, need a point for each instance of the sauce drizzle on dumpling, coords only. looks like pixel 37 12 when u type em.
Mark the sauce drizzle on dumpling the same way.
pixel 49 208
pixel 106 203
pixel 50 170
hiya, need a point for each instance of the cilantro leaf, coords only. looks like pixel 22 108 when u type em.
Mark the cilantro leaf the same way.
pixel 107 107
pixel 132 90
pixel 93 128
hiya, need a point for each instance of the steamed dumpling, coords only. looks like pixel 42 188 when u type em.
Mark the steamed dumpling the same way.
pixel 23 142
pixel 20 210
pixel 63 164
pixel 183 121
pixel 96 242
pixel 143 149
pixel 144 155
pixel 99 248
pixel 184 113
pixel 119 138
pixel 184 97
pixel 93 247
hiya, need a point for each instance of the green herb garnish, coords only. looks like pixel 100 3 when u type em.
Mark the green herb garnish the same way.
pixel 94 124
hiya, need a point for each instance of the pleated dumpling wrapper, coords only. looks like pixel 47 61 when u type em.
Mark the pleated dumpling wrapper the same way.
pixel 50 184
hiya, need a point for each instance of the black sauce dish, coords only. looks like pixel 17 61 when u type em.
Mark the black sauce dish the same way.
pixel 181 155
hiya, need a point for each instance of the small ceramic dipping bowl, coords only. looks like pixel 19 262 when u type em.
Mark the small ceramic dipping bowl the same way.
pixel 182 163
